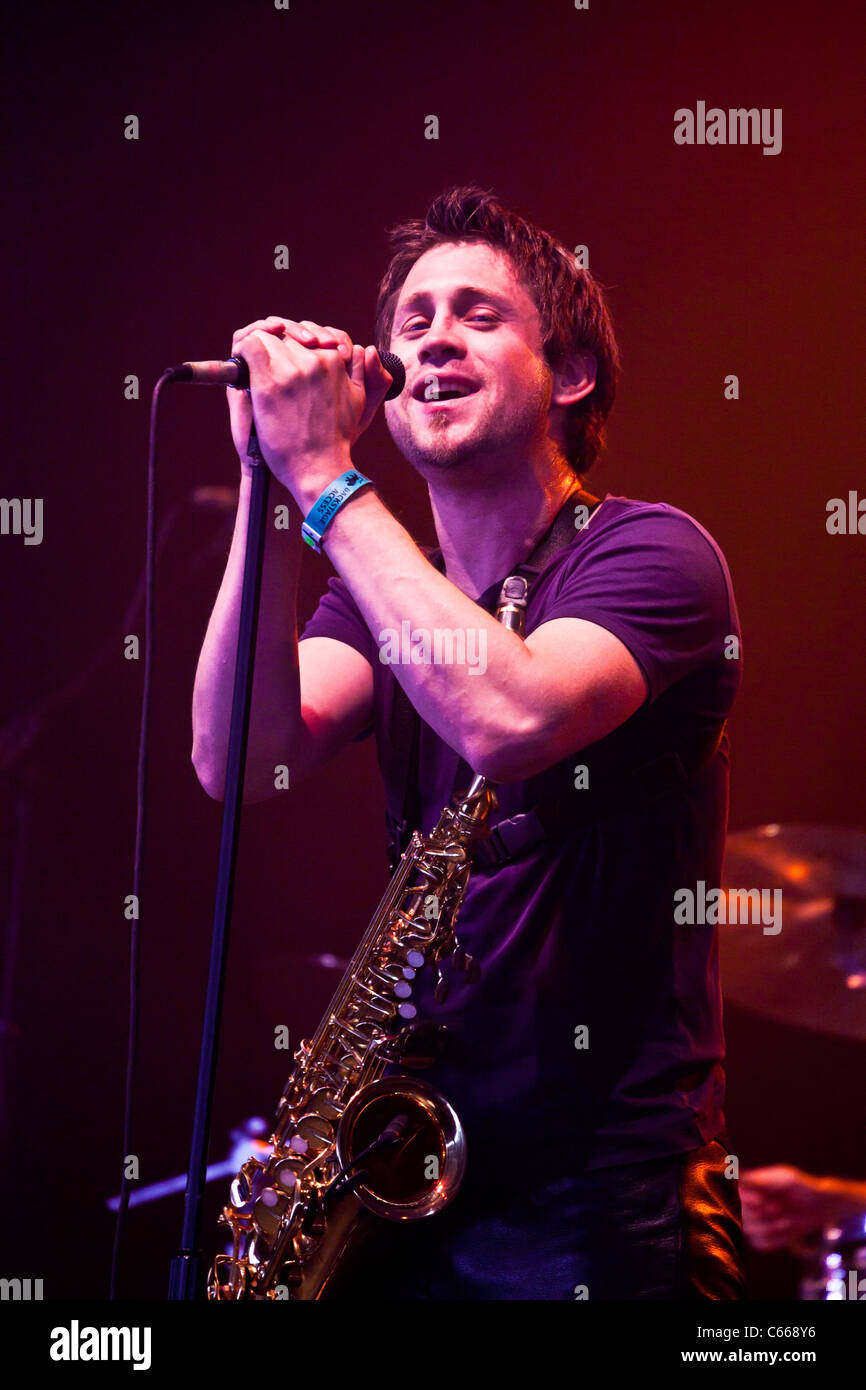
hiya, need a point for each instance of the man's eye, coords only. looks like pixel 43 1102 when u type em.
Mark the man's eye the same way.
pixel 416 324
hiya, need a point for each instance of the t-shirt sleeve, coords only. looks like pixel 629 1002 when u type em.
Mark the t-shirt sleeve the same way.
pixel 337 616
pixel 656 580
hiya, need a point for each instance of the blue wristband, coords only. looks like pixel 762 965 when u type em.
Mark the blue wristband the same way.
pixel 323 511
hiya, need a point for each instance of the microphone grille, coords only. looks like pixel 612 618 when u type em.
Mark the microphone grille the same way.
pixel 393 365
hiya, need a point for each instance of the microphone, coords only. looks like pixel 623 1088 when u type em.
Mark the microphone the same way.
pixel 235 372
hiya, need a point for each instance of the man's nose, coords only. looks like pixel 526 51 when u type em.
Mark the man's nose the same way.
pixel 443 335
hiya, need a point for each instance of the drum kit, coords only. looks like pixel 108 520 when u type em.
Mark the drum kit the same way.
pixel 812 975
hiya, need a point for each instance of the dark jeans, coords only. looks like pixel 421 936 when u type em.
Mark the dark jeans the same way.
pixel 667 1228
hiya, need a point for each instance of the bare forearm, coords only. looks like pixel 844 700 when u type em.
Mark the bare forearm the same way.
pixel 275 709
pixel 470 702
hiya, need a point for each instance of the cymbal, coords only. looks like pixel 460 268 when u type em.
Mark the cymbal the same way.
pixel 812 973
pixel 808 861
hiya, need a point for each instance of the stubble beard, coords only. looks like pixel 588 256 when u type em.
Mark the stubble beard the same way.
pixel 443 447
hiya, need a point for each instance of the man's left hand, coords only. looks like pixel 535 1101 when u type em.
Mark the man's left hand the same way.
pixel 314 392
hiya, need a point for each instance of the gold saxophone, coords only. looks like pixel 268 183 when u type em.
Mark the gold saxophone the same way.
pixel 349 1139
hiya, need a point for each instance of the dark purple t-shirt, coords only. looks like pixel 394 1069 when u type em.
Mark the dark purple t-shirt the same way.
pixel 594 1036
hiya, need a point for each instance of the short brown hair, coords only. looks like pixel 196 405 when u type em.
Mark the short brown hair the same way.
pixel 571 305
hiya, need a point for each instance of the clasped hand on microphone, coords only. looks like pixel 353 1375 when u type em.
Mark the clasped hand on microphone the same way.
pixel 313 392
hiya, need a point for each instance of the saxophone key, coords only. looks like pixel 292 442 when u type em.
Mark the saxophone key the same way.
pixel 293 1093
pixel 315 1132
pixel 269 1211
pixel 241 1196
pixel 387 972
pixel 323 1102
pixel 246 1184
pixel 287 1173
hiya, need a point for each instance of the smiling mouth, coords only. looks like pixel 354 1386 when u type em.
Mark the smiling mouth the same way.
pixel 447 397
pixel 436 391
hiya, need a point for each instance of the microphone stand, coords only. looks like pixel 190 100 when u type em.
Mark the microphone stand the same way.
pixel 186 1281
pixel 187 1269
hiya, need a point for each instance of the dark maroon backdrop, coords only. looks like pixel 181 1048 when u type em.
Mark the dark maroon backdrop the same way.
pixel 306 127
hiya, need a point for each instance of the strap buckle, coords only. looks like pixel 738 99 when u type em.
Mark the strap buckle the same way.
pixel 505 840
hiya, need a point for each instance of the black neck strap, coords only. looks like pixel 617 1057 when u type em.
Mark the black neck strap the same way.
pixel 560 532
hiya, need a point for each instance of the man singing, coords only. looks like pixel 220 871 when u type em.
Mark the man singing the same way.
pixel 586 1063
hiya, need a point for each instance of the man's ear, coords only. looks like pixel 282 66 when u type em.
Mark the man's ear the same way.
pixel 574 379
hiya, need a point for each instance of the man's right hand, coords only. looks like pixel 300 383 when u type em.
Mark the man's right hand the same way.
pixel 309 335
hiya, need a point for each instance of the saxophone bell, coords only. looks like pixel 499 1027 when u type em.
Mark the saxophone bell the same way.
pixel 422 1172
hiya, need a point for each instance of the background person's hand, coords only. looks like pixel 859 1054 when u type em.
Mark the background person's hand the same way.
pixel 782 1205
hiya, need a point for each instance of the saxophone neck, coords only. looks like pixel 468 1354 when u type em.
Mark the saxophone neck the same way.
pixel 475 788
pixel 473 807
